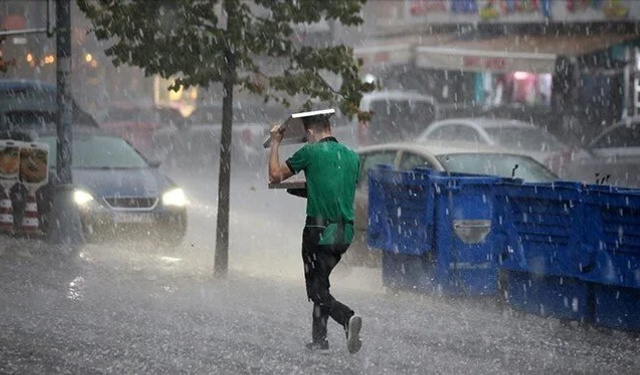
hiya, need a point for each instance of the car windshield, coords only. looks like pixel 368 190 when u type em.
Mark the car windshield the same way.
pixel 99 152
pixel 501 165
pixel 529 139
pixel 620 136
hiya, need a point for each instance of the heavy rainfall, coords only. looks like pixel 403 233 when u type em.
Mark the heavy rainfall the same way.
pixel 496 214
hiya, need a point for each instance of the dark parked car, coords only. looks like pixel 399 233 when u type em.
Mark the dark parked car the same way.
pixel 119 193
pixel 31 106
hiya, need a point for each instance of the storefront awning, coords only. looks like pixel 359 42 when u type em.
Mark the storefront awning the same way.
pixel 394 51
pixel 513 53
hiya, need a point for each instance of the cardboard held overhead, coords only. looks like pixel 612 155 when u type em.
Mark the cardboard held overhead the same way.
pixel 293 127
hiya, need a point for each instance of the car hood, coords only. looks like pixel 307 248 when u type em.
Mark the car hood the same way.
pixel 148 182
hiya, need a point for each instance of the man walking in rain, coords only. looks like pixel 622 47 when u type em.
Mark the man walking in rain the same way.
pixel 331 171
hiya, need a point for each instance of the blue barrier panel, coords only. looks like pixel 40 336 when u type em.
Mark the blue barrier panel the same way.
pixel 549 296
pixel 617 307
pixel 614 230
pixel 400 212
pixel 466 254
pixel 434 230
pixel 378 228
pixel 544 226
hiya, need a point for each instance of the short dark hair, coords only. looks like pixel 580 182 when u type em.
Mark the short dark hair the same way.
pixel 317 123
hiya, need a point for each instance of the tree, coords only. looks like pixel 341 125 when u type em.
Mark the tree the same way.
pixel 227 42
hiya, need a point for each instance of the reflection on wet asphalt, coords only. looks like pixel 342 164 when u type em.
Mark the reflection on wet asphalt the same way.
pixel 134 308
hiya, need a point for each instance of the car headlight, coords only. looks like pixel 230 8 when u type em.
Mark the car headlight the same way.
pixel 174 197
pixel 82 198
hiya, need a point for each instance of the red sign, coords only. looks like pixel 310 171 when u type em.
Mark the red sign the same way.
pixel 421 7
pixel 382 56
pixel 489 63
pixel 13 22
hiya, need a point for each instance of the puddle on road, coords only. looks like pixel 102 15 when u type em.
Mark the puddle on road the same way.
pixel 76 289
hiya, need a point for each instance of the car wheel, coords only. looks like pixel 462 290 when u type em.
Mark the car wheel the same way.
pixel 171 235
pixel 170 239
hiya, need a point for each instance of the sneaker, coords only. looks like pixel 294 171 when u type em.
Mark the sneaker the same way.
pixel 320 345
pixel 354 325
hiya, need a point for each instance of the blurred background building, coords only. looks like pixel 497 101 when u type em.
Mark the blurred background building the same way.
pixel 552 58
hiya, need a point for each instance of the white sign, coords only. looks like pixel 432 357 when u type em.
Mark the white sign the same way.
pixel 470 60
pixel 399 54
pixel 19 40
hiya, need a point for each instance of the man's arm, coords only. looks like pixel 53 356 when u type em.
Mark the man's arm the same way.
pixel 277 172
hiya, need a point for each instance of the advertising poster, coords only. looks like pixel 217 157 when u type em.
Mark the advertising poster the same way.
pixel 34 167
pixel 9 160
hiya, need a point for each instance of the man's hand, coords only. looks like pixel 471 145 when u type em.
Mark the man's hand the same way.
pixel 277 172
pixel 277 133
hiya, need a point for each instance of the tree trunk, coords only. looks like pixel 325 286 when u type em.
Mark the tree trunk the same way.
pixel 63 81
pixel 221 260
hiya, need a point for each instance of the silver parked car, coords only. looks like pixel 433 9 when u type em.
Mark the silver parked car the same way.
pixel 458 157
pixel 508 134
pixel 615 156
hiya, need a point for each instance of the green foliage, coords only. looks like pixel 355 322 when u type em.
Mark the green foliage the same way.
pixel 233 41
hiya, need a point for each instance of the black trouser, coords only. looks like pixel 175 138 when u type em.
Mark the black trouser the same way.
pixel 319 261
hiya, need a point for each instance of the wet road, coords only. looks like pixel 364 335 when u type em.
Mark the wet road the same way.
pixel 131 308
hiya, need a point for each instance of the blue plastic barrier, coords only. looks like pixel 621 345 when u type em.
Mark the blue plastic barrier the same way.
pixel 614 214
pixel 543 224
pixel 435 230
pixel 617 307
pixel 466 258
pixel 549 296
pixel 546 255
pixel 400 212
pixel 614 231
pixel 565 249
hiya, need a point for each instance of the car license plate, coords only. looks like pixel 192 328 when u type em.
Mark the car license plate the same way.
pixel 121 218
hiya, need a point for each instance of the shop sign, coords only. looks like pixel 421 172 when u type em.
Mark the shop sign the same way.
pixel 457 11
pixel 517 11
pixel 480 61
pixel 595 8
pixel 399 54
pixel 486 63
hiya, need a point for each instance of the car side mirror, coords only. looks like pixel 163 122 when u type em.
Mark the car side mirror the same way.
pixel 155 163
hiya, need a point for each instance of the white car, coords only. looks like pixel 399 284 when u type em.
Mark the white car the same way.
pixel 460 157
pixel 615 156
pixel 508 134
pixel 397 116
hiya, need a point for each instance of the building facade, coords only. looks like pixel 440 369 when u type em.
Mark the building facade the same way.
pixel 561 58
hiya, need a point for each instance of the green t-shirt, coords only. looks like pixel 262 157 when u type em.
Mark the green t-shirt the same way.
pixel 331 172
